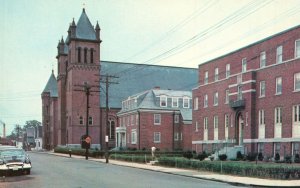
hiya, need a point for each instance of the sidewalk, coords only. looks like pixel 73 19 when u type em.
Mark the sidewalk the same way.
pixel 237 180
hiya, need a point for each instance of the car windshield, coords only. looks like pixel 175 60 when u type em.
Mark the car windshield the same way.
pixel 11 152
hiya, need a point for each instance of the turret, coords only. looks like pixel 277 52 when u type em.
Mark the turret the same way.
pixel 97 28
pixel 73 29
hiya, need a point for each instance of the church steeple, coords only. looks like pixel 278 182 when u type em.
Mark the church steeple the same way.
pixel 97 28
pixel 73 29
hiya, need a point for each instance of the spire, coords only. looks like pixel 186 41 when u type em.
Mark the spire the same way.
pixel 97 28
pixel 83 10
pixel 73 29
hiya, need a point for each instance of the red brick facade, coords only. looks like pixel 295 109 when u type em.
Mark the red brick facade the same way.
pixel 267 69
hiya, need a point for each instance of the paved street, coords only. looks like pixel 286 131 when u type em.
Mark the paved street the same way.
pixel 54 171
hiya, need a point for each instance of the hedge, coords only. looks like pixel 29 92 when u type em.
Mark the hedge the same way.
pixel 79 151
pixel 273 171
pixel 132 158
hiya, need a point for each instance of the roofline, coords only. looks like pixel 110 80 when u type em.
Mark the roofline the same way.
pixel 252 44
pixel 166 66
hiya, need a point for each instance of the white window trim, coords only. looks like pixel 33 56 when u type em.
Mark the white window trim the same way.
pixel 90 124
pixel 216 99
pixel 298 40
pixel 173 100
pixel 196 126
pixel 261 117
pixel 205 101
pixel 226 120
pixel 205 77
pixel 262 54
pixel 157 123
pixel 205 123
pixel 159 136
pixel 176 136
pixel 216 122
pixel 216 74
pixel 176 118
pixel 161 100
pixel 244 65
pixel 260 89
pixel 227 70
pixel 82 120
pixel 296 90
pixel 276 92
pixel 196 103
pixel 277 54
pixel 133 135
pixel 188 103
pixel 279 109
pixel 226 96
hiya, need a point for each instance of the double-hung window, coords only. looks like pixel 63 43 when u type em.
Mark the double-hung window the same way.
pixel 216 74
pixel 278 115
pixel 216 122
pixel 278 85
pixel 163 101
pixel 216 99
pixel 279 54
pixel 205 100
pixel 175 102
pixel 205 122
pixel 226 96
pixel 262 59
pixel 156 137
pixel 186 103
pixel 297 81
pixel 206 77
pixel 244 65
pixel 227 70
pixel 296 113
pixel 262 89
pixel 157 119
pixel 261 116
pixel 196 103
pixel 297 48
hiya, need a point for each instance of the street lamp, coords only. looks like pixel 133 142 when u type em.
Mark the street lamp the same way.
pixel 87 88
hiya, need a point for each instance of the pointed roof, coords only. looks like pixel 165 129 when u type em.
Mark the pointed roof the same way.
pixel 51 86
pixel 85 29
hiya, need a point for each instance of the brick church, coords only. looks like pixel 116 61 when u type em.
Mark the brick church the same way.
pixel 64 99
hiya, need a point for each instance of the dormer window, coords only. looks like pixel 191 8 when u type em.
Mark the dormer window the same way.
pixel 163 101
pixel 174 102
pixel 186 103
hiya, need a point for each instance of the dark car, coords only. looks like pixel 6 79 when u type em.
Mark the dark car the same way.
pixel 14 160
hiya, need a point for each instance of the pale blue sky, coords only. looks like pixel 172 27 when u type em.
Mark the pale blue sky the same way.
pixel 163 32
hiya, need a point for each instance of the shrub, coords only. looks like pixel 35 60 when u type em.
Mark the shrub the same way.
pixel 260 156
pixel 277 157
pixel 202 156
pixel 223 157
pixel 288 159
pixel 251 156
pixel 239 155
pixel 188 154
pixel 297 158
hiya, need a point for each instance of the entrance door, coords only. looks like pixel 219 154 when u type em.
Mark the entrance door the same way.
pixel 240 130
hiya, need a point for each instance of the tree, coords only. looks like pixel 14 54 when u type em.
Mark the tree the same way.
pixel 32 123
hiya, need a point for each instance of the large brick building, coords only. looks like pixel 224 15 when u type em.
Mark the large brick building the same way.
pixel 251 98
pixel 64 105
pixel 159 118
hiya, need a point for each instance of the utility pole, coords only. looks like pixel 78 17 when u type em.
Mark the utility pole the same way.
pixel 107 83
pixel 87 90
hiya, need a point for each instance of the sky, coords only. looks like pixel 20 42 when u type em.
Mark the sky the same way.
pixel 183 33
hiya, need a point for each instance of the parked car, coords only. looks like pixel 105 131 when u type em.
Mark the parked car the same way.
pixel 14 160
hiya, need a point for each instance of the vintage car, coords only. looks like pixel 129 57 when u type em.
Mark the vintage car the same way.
pixel 14 160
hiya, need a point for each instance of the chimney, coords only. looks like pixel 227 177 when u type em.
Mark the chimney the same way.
pixel 4 134
pixel 156 88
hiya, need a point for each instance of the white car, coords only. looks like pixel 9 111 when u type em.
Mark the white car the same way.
pixel 13 160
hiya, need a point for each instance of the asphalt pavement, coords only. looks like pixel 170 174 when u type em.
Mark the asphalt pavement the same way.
pixel 235 180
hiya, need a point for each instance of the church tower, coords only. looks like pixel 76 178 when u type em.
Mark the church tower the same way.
pixel 78 63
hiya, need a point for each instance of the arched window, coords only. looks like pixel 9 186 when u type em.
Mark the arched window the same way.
pixel 111 127
pixel 92 55
pixel 79 55
pixel 85 55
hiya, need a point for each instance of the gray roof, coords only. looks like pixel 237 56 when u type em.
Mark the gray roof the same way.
pixel 136 78
pixel 51 86
pixel 85 29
